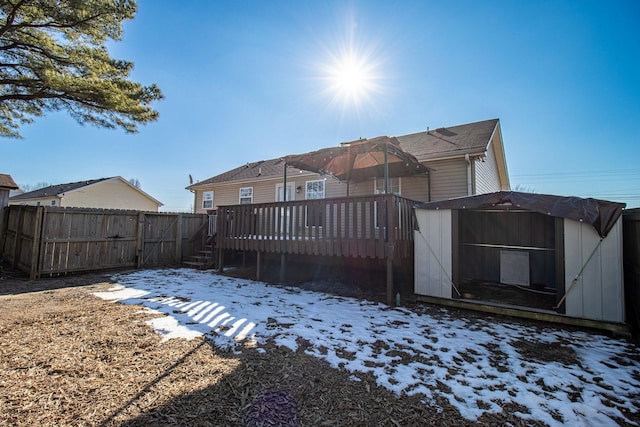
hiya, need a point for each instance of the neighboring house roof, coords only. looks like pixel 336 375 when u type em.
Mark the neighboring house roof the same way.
pixel 7 182
pixel 56 190
pixel 60 190
pixel 441 143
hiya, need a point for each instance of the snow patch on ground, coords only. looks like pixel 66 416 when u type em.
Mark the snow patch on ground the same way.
pixel 477 364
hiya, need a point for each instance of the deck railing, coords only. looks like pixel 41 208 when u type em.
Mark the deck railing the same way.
pixel 367 226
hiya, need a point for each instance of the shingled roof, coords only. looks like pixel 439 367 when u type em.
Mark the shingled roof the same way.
pixel 471 138
pixel 7 182
pixel 250 172
pixel 54 190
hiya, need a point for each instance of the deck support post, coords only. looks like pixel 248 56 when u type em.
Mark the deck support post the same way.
pixel 283 268
pixel 389 257
pixel 220 260
pixel 259 266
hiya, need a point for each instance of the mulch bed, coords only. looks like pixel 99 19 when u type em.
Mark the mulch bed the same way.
pixel 69 358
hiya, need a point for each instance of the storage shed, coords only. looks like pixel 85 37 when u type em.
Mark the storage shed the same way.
pixel 542 253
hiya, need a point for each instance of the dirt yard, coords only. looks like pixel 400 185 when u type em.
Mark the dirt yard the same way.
pixel 70 358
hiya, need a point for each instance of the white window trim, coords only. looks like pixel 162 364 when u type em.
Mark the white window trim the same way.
pixel 324 188
pixel 290 186
pixel 240 196
pixel 204 199
pixel 381 180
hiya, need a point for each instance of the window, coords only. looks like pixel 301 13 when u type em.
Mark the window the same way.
pixel 53 203
pixel 207 200
pixel 246 195
pixel 315 190
pixel 394 186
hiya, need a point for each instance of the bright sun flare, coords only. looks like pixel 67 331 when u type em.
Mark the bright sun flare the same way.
pixel 351 78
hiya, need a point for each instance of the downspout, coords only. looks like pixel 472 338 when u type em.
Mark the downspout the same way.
pixel 469 187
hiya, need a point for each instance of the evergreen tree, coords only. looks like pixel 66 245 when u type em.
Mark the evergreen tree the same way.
pixel 53 57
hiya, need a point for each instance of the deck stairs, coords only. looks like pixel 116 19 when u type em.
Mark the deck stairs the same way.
pixel 203 260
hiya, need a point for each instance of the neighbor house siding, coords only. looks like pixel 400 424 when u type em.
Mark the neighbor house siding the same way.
pixel 42 201
pixel 110 194
pixel 448 179
pixel 487 180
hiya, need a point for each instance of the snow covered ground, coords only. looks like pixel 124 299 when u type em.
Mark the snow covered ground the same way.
pixel 478 363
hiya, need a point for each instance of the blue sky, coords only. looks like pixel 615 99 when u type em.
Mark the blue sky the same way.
pixel 247 81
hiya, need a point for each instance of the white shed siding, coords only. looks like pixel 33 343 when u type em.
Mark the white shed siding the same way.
pixel 433 264
pixel 487 180
pixel 448 179
pixel 598 292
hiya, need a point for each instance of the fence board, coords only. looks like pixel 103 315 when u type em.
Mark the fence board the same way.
pixel 48 241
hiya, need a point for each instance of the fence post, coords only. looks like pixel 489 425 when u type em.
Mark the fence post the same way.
pixel 34 271
pixel 17 246
pixel 140 240
pixel 179 239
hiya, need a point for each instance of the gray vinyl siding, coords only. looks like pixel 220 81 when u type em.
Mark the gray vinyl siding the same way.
pixel 487 180
pixel 415 188
pixel 448 179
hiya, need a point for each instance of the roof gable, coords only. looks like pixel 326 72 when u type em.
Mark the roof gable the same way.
pixel 61 189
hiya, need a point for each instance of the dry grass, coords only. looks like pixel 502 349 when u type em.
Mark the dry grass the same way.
pixel 69 358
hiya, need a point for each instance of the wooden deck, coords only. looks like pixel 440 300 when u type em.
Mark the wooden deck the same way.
pixel 377 227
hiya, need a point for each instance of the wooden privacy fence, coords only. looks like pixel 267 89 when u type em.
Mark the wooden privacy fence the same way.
pixel 51 240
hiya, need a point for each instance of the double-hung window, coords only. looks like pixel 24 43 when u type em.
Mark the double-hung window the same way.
pixel 246 195
pixel 207 200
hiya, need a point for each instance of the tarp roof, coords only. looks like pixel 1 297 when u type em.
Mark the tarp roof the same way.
pixel 601 214
pixel 359 160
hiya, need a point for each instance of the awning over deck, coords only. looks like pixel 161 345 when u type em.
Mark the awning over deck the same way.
pixel 360 160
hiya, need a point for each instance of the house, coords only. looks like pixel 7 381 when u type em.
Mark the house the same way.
pixel 462 160
pixel 7 184
pixel 296 208
pixel 104 193
pixel 557 257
